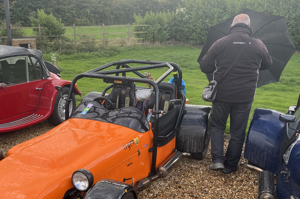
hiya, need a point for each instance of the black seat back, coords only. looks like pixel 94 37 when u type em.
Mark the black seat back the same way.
pixel 6 71
pixel 167 91
pixel 123 95
pixel 20 71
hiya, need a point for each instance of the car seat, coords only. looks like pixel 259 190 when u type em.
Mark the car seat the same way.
pixel 20 71
pixel 6 71
pixel 167 92
pixel 123 95
pixel 167 121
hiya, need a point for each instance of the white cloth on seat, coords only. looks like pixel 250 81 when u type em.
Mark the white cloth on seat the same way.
pixel 143 94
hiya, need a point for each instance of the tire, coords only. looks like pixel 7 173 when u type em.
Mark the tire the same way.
pixel 111 189
pixel 199 156
pixel 194 134
pixel 58 114
pixel 129 195
pixel 52 68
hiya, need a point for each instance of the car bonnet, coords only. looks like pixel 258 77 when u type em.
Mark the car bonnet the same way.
pixel 42 167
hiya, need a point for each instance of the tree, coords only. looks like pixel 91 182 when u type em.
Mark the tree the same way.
pixel 51 26
pixel 16 32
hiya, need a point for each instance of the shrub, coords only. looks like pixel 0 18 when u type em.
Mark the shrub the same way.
pixel 87 44
pixel 50 25
pixel 191 24
pixel 18 32
pixel 157 31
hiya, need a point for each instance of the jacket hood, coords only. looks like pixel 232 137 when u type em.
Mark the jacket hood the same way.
pixel 240 27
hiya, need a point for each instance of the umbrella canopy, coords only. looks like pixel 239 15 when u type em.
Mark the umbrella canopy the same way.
pixel 271 30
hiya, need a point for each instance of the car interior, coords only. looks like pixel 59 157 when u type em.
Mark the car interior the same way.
pixel 14 73
pixel 34 68
pixel 124 100
pixel 122 95
pixel 20 71
pixel 7 74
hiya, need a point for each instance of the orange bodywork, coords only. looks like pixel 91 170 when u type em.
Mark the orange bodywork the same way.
pixel 42 167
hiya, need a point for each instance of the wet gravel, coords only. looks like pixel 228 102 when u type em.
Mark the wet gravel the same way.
pixel 189 179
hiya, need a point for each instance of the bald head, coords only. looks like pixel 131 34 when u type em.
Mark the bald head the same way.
pixel 241 18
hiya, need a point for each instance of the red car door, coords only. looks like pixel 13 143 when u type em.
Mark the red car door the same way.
pixel 23 77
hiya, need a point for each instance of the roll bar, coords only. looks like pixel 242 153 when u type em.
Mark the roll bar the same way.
pixel 99 73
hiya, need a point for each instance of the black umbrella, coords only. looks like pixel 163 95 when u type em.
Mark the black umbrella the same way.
pixel 272 30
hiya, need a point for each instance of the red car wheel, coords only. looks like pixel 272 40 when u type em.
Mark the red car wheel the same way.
pixel 58 115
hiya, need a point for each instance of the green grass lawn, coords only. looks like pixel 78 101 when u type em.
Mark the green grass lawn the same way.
pixel 278 96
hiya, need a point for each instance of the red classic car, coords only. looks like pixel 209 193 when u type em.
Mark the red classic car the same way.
pixel 28 93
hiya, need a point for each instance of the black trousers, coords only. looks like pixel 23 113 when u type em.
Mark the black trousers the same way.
pixel 239 114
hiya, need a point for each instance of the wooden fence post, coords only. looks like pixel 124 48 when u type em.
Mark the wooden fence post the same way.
pixel 56 59
pixel 75 43
pixel 128 33
pixel 103 34
pixel 39 30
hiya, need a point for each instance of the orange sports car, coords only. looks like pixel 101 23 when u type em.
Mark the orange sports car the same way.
pixel 115 143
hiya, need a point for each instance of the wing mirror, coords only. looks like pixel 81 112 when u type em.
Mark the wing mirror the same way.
pixel 287 118
pixel 59 88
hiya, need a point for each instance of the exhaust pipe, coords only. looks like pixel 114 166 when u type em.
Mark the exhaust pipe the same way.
pixel 266 189
pixel 254 167
pixel 162 172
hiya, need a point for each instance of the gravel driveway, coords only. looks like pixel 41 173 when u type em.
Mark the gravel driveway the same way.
pixel 189 179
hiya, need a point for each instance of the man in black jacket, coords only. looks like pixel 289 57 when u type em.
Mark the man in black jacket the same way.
pixel 235 91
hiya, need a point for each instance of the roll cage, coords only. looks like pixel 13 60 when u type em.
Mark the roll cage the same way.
pixel 122 67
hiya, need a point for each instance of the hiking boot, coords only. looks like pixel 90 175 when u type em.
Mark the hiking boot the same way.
pixel 228 170
pixel 216 166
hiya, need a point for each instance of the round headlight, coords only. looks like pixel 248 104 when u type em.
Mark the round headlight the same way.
pixel 82 179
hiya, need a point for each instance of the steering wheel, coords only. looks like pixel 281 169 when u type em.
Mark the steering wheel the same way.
pixel 101 99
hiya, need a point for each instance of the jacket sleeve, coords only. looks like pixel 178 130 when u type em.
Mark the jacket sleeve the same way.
pixel 266 58
pixel 207 64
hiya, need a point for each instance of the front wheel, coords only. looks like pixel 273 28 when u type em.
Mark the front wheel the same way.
pixel 129 195
pixel 58 114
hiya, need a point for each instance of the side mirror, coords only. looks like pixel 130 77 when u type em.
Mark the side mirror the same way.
pixel 287 118
pixel 58 88
pixel 291 110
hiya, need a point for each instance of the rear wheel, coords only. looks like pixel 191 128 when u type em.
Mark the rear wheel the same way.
pixel 58 114
pixel 194 133
pixel 199 156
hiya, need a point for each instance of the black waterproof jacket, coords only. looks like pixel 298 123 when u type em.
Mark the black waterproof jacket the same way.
pixel 239 84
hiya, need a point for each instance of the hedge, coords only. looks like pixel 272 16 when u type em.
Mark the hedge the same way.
pixel 191 24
